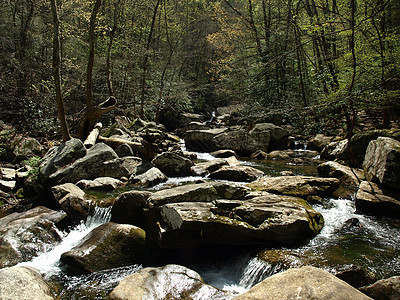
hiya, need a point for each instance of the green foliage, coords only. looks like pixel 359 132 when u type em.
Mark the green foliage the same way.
pixel 34 166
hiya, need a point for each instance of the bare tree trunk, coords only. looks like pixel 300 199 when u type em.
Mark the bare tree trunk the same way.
pixel 57 74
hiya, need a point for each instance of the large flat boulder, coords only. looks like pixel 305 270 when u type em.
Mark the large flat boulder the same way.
pixel 172 164
pixel 121 167
pixel 24 235
pixel 299 186
pixel 237 173
pixel 108 246
pixel 21 283
pixel 375 200
pixel 168 282
pixel 382 162
pixel 303 283
pixel 265 220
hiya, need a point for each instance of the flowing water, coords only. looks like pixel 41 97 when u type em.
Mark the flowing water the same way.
pixel 370 242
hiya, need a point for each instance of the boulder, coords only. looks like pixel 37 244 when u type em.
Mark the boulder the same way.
pixel 128 207
pixel 27 147
pixel 168 282
pixel 303 283
pixel 198 192
pixel 375 200
pixel 259 154
pixel 223 153
pixel 7 186
pixel 7 174
pixel 382 162
pixel 237 173
pixel 23 284
pixel 61 156
pixel 278 137
pixel 203 140
pixel 278 155
pixel 99 184
pixel 299 186
pixel 90 166
pixel 335 150
pixel 319 141
pixel 124 150
pixel 150 178
pixel 172 164
pixel 265 220
pixel 356 276
pixel 121 167
pixel 72 200
pixel 24 235
pixel 347 176
pixel 204 168
pixel 108 246
pixel 385 289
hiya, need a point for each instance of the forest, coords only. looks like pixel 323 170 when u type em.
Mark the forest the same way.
pixel 318 65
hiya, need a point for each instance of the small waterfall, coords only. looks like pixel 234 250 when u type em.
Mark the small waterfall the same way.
pixel 256 271
pixel 200 155
pixel 48 262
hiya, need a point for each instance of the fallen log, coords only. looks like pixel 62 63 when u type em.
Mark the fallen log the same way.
pixel 93 135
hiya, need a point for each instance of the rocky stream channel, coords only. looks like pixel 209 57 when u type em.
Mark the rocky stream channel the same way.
pixel 187 224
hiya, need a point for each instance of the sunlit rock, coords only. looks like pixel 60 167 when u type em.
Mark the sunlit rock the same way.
pixel 99 184
pixel 108 246
pixel 24 235
pixel 347 176
pixel 172 164
pixel 23 284
pixel 150 178
pixel 237 173
pixel 303 283
pixel 388 289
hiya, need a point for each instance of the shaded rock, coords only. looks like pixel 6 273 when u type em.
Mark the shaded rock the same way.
pixel 108 246
pixel 88 167
pixel 259 155
pixel 375 200
pixel 202 140
pixel 72 200
pixel 168 282
pixel 303 283
pixel 23 284
pixel 172 164
pixel 237 173
pixel 121 167
pixel 356 276
pixel 223 153
pixel 264 220
pixel 24 235
pixel 61 156
pixel 278 135
pixel 128 207
pixel 278 155
pixel 124 150
pixel 299 186
pixel 382 162
pixel 319 141
pixel 347 176
pixel 150 178
pixel 27 147
pixel 385 289
pixel 99 184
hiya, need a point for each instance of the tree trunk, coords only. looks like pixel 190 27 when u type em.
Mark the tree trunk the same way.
pixel 57 74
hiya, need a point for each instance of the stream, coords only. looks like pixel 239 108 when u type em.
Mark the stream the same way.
pixel 370 242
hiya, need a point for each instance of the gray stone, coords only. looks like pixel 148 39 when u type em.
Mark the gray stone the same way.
pixel 128 207
pixel 24 235
pixel 385 289
pixel 28 147
pixel 319 141
pixel 150 178
pixel 259 154
pixel 21 283
pixel 299 186
pixel 124 150
pixel 382 162
pixel 121 167
pixel 204 168
pixel 347 176
pixel 168 282
pixel 72 200
pixel 278 155
pixel 374 200
pixel 61 156
pixel 265 220
pixel 237 173
pixel 223 153
pixel 172 164
pixel 303 283
pixel 90 166
pixel 99 184
pixel 202 140
pixel 108 246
